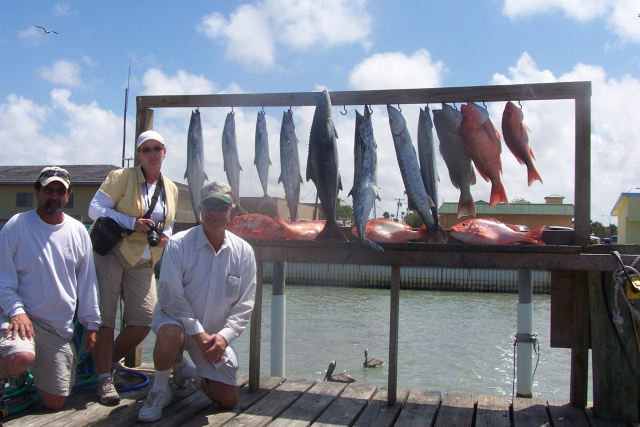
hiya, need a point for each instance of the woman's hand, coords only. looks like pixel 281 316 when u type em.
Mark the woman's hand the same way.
pixel 142 225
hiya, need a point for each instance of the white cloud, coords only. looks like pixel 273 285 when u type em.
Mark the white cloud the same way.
pixel 254 33
pixel 66 73
pixel 621 15
pixel 156 82
pixel 395 70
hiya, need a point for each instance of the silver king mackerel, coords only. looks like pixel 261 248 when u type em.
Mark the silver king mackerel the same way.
pixel 231 160
pixel 290 164
pixel 322 166
pixel 410 171
pixel 262 160
pixel 195 174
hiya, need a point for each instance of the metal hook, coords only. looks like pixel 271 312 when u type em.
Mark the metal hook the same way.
pixel 455 106
pixel 345 110
pixel 519 104
pixel 484 105
pixel 262 111
pixel 399 108
pixel 370 109
pixel 232 112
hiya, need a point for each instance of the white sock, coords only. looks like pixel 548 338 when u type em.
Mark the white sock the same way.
pixel 189 370
pixel 103 376
pixel 161 381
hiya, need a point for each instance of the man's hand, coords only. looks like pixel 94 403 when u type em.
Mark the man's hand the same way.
pixel 89 341
pixel 20 325
pixel 212 346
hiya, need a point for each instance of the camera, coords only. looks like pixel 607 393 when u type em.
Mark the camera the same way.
pixel 153 235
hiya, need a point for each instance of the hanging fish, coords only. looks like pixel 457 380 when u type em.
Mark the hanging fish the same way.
pixel 482 144
pixel 447 123
pixel 322 166
pixel 231 160
pixel 290 164
pixel 365 176
pixel 517 139
pixel 262 161
pixel 427 157
pixel 410 171
pixel 195 174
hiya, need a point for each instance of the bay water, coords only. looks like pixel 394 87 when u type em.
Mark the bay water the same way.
pixel 448 341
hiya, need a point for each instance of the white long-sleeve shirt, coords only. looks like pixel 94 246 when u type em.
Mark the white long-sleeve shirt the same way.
pixel 47 271
pixel 204 290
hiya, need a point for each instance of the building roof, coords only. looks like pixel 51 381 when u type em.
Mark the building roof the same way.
pixel 622 202
pixel 80 174
pixel 482 208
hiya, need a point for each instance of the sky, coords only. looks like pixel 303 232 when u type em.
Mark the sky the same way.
pixel 62 96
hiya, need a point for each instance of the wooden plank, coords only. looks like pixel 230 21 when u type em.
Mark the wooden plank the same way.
pixel 579 381
pixel 309 407
pixel 256 332
pixel 420 409
pixel 529 412
pixel 272 405
pixel 439 255
pixel 378 413
pixel 597 422
pixel 561 309
pixel 456 409
pixel 394 322
pixel 562 413
pixel 348 406
pixel 215 417
pixel 492 411
pixel 522 92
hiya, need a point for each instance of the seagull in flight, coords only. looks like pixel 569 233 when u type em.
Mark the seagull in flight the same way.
pixel 44 30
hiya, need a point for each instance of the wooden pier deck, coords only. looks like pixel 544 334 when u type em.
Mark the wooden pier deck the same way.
pixel 300 402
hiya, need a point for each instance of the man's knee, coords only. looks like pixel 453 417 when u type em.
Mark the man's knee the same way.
pixel 169 337
pixel 51 401
pixel 224 395
pixel 15 364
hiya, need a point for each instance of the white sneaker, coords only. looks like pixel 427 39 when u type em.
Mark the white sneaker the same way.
pixel 180 380
pixel 154 403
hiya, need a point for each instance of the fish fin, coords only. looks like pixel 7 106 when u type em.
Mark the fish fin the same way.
pixel 241 170
pixel 437 234
pixel 466 205
pixel 533 156
pixel 526 128
pixel 472 177
pixel 350 192
pixel 331 231
pixel 533 175
pixel 339 183
pixel 280 179
pixel 536 235
pixel 270 164
pixel 497 194
pixel 185 174
pixel 364 243
pixel 301 180
pixel 377 192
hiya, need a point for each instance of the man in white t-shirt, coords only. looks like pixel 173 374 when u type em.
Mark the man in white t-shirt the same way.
pixel 46 276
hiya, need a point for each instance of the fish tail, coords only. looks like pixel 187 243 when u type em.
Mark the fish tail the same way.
pixel 536 235
pixel 331 231
pixel 437 234
pixel 466 205
pixel 497 194
pixel 267 203
pixel 533 174
pixel 362 244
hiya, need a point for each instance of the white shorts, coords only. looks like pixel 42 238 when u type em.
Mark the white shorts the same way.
pixel 224 372
pixel 54 367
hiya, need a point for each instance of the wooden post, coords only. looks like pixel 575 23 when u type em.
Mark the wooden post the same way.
pixel 524 335
pixel 582 223
pixel 615 354
pixel 394 320
pixel 278 319
pixel 256 332
pixel 579 383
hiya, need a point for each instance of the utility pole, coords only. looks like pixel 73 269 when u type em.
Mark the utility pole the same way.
pixel 399 204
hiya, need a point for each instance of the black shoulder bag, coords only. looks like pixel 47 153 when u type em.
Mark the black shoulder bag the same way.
pixel 106 232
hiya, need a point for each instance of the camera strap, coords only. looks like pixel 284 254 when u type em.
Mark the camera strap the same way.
pixel 154 199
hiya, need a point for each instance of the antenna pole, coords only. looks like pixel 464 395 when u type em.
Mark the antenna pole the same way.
pixel 124 131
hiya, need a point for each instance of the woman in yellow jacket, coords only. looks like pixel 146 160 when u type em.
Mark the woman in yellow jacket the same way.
pixel 127 270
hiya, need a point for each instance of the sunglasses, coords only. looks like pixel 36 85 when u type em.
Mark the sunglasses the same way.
pixel 54 172
pixel 60 191
pixel 157 149
pixel 218 207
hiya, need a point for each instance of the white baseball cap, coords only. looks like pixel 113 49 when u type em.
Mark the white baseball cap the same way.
pixel 147 135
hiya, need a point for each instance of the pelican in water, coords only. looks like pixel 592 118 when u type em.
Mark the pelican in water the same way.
pixel 370 363
pixel 338 378
pixel 44 30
